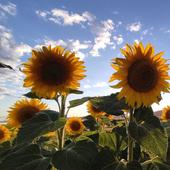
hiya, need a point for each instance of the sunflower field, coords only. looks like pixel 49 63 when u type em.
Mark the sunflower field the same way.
pixel 121 131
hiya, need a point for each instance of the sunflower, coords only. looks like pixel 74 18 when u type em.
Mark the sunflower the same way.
pixel 166 113
pixel 95 112
pixel 142 75
pixel 53 70
pixel 4 134
pixel 23 110
pixel 74 126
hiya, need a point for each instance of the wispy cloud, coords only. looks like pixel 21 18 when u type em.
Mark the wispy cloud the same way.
pixel 118 39
pixel 64 17
pixel 7 9
pixel 11 53
pixel 103 36
pixel 134 27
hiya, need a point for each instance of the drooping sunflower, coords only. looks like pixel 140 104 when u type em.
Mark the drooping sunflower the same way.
pixel 74 126
pixel 166 113
pixel 95 112
pixel 142 75
pixel 53 70
pixel 23 110
pixel 4 134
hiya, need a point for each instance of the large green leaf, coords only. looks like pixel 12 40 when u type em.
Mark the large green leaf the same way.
pixel 154 140
pixel 40 124
pixel 112 140
pixel 110 104
pixel 25 158
pixel 76 156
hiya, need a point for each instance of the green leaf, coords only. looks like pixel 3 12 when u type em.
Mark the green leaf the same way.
pixel 90 122
pixel 155 164
pixel 104 158
pixel 154 140
pixel 32 95
pixel 5 66
pixel 76 156
pixel 25 158
pixel 73 91
pixel 143 113
pixel 112 140
pixel 40 124
pixel 110 104
pixel 77 102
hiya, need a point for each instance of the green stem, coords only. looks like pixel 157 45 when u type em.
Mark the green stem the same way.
pixel 130 140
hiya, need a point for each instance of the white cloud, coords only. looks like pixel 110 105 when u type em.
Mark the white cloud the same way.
pixel 7 9
pixel 103 36
pixel 118 39
pixel 11 53
pixel 64 17
pixel 134 27
pixel 101 84
pixel 167 31
pixel 87 86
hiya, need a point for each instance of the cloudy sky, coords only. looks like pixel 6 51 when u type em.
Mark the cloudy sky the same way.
pixel 95 29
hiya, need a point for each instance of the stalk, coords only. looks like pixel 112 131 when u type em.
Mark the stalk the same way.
pixel 130 140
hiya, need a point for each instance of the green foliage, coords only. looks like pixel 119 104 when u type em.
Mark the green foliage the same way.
pixel 25 158
pixel 45 121
pixel 75 156
pixel 77 102
pixel 112 140
pixel 110 104
pixel 32 95
pixel 149 133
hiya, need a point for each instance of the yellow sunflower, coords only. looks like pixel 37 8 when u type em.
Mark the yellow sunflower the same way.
pixel 74 126
pixel 142 75
pixel 166 113
pixel 4 134
pixel 53 70
pixel 93 110
pixel 23 110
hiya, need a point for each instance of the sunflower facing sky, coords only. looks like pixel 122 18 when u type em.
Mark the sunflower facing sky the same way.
pixel 93 110
pixel 53 70
pixel 4 134
pixel 23 110
pixel 166 113
pixel 74 126
pixel 142 75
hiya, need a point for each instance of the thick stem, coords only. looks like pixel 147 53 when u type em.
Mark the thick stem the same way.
pixel 130 140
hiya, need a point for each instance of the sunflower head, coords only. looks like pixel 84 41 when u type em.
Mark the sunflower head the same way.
pixel 142 75
pixel 53 70
pixel 23 110
pixel 4 134
pixel 95 112
pixel 166 113
pixel 74 126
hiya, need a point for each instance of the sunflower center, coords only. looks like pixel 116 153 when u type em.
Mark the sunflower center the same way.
pixel 1 134
pixel 27 113
pixel 54 71
pixel 168 114
pixel 142 76
pixel 75 126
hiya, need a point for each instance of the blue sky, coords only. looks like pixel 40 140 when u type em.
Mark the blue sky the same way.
pixel 95 29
